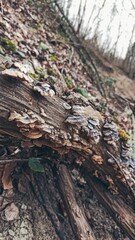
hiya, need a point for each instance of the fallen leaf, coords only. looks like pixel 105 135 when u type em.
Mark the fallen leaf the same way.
pixel 12 72
pixel 6 177
pixel 25 67
pixel 35 165
pixel 11 212
pixel 82 91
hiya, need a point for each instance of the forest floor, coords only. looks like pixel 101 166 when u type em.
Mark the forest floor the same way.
pixel 124 86
pixel 28 44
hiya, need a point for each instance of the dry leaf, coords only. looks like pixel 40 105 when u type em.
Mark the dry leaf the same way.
pixel 97 159
pixel 6 198
pixel 6 178
pixel 12 72
pixel 11 212
pixel 25 67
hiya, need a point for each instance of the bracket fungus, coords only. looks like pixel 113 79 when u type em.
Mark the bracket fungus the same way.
pixel 44 89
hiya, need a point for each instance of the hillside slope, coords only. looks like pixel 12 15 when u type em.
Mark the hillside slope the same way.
pixel 32 48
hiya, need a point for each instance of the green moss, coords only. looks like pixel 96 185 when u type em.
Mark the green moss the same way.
pixel 82 91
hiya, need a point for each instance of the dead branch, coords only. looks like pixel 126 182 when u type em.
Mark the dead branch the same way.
pixel 77 217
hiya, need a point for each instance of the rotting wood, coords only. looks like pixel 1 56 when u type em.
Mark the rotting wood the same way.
pixel 121 212
pixel 28 116
pixel 80 226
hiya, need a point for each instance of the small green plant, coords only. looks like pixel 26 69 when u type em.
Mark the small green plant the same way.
pixel 30 2
pixel 35 165
pixel 41 72
pixel 51 72
pixel 53 58
pixel 8 44
pixel 110 82
pixel 82 91
pixel 34 76
pixel 68 82
pixel 43 46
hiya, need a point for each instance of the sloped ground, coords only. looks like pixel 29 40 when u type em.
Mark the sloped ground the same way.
pixel 124 85
pixel 29 45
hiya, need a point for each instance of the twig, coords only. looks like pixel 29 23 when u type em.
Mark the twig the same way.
pixel 71 56
pixel 5 161
pixel 58 41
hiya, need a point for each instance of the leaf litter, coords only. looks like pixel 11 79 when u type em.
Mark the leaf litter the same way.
pixel 33 48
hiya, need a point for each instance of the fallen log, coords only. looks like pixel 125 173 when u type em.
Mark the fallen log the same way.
pixel 28 116
pixel 39 119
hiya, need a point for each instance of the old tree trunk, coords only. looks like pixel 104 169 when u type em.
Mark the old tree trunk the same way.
pixel 58 153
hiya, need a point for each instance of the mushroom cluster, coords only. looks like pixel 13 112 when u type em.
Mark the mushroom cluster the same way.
pixel 110 132
pixel 125 150
pixel 44 89
pixel 94 129
pixel 76 120
pixel 31 125
pixel 77 117
pixel 89 125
